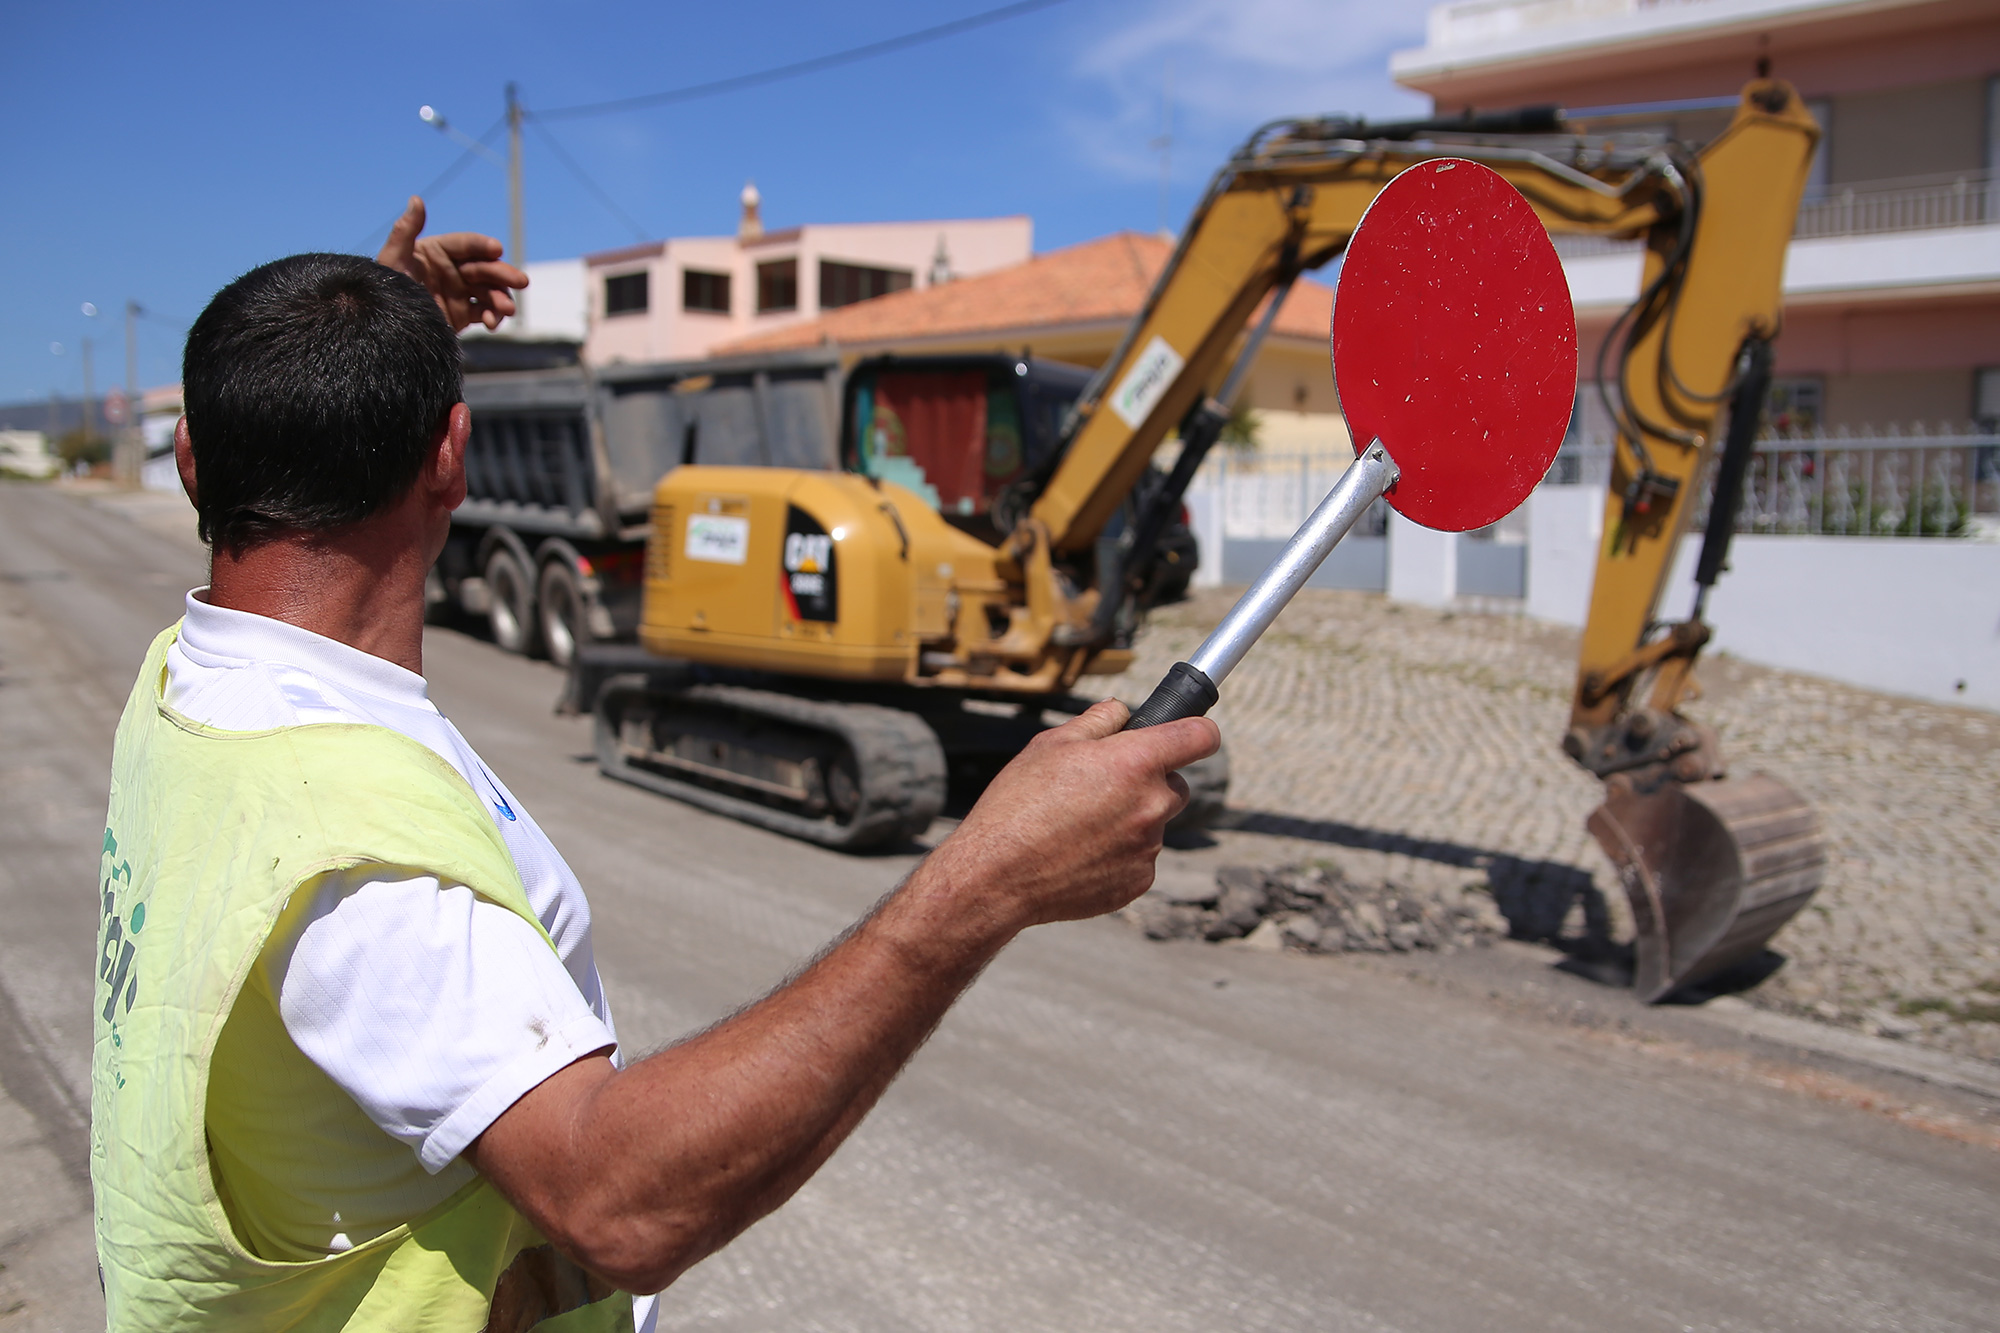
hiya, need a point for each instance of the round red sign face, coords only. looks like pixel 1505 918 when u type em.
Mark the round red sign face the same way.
pixel 1454 343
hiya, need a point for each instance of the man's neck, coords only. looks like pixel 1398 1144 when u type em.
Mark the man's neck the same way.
pixel 360 585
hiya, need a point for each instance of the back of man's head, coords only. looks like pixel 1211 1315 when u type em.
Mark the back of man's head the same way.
pixel 315 387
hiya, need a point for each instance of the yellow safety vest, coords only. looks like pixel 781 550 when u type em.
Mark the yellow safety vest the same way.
pixel 209 834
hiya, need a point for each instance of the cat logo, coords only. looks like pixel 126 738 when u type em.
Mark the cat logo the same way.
pixel 811 589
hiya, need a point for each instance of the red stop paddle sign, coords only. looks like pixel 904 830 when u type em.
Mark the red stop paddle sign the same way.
pixel 1454 343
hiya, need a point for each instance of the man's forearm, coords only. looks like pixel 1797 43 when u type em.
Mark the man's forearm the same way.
pixel 639 1174
pixel 673 1157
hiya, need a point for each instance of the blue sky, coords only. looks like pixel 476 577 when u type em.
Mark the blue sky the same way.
pixel 152 152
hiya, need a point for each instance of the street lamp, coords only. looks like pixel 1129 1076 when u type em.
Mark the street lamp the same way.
pixel 517 245
pixel 89 400
pixel 434 118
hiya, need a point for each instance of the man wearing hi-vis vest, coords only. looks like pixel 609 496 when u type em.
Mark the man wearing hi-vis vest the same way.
pixel 353 1066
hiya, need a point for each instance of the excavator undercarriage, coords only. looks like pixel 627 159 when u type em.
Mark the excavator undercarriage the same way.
pixel 851 767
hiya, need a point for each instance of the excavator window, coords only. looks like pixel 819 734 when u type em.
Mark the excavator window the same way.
pixel 956 430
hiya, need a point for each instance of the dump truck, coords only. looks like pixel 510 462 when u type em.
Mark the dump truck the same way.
pixel 548 548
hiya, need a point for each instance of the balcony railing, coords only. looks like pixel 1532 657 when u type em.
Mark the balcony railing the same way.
pixel 1902 483
pixel 1918 203
pixel 1871 208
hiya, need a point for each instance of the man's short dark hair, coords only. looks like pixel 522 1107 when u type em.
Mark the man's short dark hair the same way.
pixel 314 387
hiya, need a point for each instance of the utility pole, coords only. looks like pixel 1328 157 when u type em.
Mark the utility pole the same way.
pixel 1166 146
pixel 89 403
pixel 516 242
pixel 131 441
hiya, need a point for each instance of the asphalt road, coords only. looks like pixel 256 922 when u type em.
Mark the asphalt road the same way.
pixel 1107 1133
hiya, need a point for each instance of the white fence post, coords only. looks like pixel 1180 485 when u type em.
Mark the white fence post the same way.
pixel 1423 565
pixel 1204 506
pixel 1565 529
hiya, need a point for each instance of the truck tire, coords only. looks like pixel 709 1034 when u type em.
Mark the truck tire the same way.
pixel 559 603
pixel 512 614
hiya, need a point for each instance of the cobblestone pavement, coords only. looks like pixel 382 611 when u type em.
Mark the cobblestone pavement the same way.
pixel 1430 737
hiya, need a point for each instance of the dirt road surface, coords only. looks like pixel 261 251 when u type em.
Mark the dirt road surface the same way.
pixel 1107 1133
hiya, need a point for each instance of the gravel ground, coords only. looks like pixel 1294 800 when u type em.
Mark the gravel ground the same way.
pixel 1433 736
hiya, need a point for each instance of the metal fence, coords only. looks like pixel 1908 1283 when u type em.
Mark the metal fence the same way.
pixel 1903 483
pixel 1267 496
pixel 1869 208
pixel 1916 203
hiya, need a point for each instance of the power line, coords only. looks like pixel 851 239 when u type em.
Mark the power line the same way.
pixel 147 312
pixel 798 67
pixel 373 240
pixel 588 184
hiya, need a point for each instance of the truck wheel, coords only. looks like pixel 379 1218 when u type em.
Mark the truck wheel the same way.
pixel 513 611
pixel 560 604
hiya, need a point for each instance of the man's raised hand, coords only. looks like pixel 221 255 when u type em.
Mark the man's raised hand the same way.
pixel 462 269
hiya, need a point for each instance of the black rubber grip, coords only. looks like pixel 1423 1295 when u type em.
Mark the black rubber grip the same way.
pixel 1184 692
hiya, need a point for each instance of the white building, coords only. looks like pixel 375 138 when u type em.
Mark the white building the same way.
pixel 25 453
pixel 675 299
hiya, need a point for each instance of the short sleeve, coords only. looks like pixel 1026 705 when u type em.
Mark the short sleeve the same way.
pixel 433 1008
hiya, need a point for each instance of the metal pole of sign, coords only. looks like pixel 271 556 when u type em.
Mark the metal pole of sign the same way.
pixel 1189 688
pixel 1359 487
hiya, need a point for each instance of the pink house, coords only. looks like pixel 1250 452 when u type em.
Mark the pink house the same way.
pixel 675 299
pixel 1892 285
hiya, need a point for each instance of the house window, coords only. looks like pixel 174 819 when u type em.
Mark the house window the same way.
pixel 1816 175
pixel 705 291
pixel 777 286
pixel 627 293
pixel 844 284
pixel 1794 406
pixel 1986 398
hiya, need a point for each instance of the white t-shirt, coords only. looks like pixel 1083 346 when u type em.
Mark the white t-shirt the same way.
pixel 432 1008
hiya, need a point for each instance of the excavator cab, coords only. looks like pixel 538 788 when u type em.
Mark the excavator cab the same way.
pixel 957 430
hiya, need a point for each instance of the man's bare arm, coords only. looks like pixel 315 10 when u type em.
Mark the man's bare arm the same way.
pixel 640 1174
pixel 461 269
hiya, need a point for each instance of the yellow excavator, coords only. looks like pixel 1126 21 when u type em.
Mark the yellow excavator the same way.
pixel 818 648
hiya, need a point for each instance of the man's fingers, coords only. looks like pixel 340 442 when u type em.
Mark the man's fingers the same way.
pixel 1180 790
pixel 460 246
pixel 1095 722
pixel 401 245
pixel 492 273
pixel 1179 743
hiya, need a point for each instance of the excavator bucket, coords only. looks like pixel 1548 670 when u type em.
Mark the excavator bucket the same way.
pixel 1713 870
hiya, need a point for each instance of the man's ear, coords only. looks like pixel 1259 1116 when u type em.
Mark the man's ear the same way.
pixel 184 460
pixel 449 461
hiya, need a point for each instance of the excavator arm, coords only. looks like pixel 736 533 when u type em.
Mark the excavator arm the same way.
pixel 1713 867
pixel 1285 204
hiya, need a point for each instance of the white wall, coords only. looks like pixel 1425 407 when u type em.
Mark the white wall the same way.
pixel 1913 616
pixel 1917 616
pixel 556 303
pixel 1565 525
pixel 1204 506
pixel 1423 565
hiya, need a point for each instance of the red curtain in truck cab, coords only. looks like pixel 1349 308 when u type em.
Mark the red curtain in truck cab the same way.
pixel 939 423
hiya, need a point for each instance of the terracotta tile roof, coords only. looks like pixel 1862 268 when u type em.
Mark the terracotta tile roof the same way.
pixel 1098 282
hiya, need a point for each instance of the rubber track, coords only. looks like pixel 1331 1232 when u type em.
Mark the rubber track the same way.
pixel 897 757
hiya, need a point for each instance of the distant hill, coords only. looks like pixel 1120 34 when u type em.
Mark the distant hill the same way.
pixel 35 415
